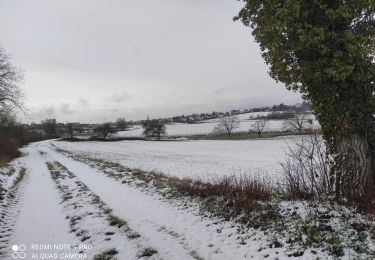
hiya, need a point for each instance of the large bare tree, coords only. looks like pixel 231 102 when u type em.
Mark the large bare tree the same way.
pixel 227 124
pixel 10 78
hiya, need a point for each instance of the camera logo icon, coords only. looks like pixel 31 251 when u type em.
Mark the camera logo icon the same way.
pixel 18 251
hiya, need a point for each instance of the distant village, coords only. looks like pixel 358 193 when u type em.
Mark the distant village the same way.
pixel 51 127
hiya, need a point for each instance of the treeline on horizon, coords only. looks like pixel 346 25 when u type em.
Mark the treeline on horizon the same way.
pixel 51 128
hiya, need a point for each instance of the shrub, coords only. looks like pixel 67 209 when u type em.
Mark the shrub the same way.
pixel 306 170
pixel 8 149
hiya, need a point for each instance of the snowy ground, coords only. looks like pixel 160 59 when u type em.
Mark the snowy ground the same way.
pixel 180 129
pixel 68 204
pixel 70 201
pixel 207 126
pixel 203 159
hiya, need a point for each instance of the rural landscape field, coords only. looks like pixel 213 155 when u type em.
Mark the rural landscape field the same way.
pixel 152 130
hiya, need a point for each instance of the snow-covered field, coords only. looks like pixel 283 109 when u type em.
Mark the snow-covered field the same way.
pixel 199 159
pixel 207 126
pixel 203 128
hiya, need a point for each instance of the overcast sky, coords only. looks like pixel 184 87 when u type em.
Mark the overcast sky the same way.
pixel 96 60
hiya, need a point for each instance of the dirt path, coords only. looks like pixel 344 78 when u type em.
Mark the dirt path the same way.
pixel 41 220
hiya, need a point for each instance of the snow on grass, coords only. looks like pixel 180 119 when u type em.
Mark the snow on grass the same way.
pixel 203 159
pixel 341 231
pixel 9 173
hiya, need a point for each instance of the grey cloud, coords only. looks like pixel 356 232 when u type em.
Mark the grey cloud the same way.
pixel 83 102
pixel 65 109
pixel 118 98
pixel 219 91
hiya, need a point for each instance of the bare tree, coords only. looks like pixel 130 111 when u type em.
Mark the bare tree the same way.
pixel 104 130
pixel 300 122
pixel 227 124
pixel 154 128
pixel 10 76
pixel 121 124
pixel 258 126
pixel 12 134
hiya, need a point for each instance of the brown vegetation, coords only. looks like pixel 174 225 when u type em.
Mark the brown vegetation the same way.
pixel 9 144
pixel 8 149
pixel 239 194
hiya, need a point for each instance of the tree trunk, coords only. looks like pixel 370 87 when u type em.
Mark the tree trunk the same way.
pixel 354 167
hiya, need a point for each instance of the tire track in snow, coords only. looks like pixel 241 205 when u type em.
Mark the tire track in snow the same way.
pixel 10 210
pixel 41 220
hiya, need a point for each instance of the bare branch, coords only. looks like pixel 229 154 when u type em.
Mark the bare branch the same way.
pixel 300 122
pixel 258 126
pixel 227 125
pixel 10 77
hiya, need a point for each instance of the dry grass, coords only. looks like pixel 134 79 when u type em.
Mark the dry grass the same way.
pixel 238 194
pixel 306 171
pixel 307 175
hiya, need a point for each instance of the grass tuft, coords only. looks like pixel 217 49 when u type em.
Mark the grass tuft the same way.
pixel 106 255
pixel 115 221
pixel 147 252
